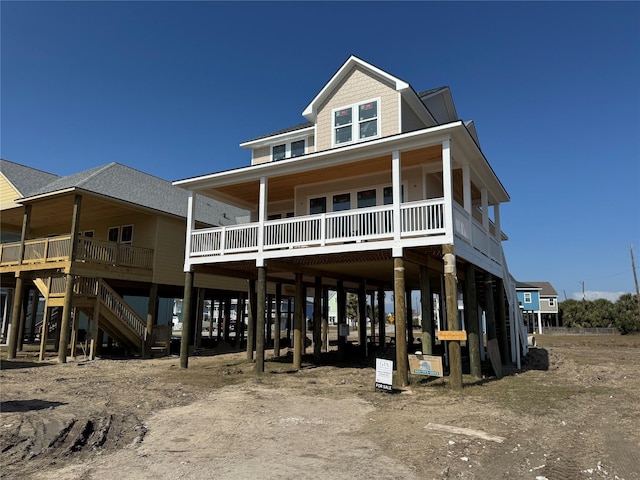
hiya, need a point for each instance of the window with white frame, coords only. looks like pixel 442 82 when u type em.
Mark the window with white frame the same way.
pixel 113 234
pixel 338 201
pixel 288 150
pixel 552 302
pixel 123 234
pixel 356 122
pixel 527 297
pixel 126 234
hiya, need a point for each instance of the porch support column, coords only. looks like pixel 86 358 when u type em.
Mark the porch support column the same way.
pixel 66 317
pixel 402 360
pixel 262 216
pixel 298 320
pixel 191 226
pixel 152 313
pixel 409 307
pixel 426 311
pixel 95 338
pixel 372 319
pixel 23 318
pixel 46 318
pixel 251 320
pixel 269 321
pixel 447 188
pixel 317 320
pixel 496 221
pixel 6 319
pixel 74 332
pixel 466 187
pixel 278 321
pixel 68 294
pixel 451 292
pixel 502 323
pixel 35 300
pixel 341 297
pixel 362 319
pixel 227 319
pixel 484 199
pixel 15 318
pixel 396 178
pixel 325 319
pixel 26 221
pixel 240 319
pixel 197 331
pixel 260 318
pixel 186 319
pixel 382 320
pixel 471 320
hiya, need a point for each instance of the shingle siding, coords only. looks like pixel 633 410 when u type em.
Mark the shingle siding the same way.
pixel 358 86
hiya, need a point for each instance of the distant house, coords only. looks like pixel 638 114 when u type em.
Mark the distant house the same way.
pixel 539 303
pixel 383 187
pixel 106 243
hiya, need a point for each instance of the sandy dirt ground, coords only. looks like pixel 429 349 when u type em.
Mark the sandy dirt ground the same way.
pixel 573 412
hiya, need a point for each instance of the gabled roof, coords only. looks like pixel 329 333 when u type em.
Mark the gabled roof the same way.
pixel 25 179
pixel 546 289
pixel 526 286
pixel 400 86
pixel 124 183
pixel 343 71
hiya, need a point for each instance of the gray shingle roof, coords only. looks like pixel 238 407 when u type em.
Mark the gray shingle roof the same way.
pixel 545 287
pixel 127 184
pixel 300 126
pixel 25 179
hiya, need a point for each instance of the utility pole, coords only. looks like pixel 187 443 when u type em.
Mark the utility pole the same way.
pixel 635 276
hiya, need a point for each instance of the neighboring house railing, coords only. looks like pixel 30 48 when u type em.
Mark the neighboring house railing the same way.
pixel 365 224
pixel 90 250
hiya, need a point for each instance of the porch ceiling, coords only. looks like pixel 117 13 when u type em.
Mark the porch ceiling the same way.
pixel 53 215
pixel 281 187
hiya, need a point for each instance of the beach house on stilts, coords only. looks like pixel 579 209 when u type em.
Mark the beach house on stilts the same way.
pixel 382 188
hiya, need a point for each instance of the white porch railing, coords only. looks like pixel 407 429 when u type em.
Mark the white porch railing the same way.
pixel 473 233
pixel 365 224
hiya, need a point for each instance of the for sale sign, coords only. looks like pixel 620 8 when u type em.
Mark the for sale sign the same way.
pixel 384 374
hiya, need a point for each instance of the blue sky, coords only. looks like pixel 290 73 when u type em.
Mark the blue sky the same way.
pixel 172 88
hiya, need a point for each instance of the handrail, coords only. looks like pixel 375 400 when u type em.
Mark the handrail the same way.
pixel 90 250
pixel 110 299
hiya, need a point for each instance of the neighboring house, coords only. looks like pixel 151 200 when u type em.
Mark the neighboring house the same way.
pixel 107 243
pixel 382 188
pixel 539 303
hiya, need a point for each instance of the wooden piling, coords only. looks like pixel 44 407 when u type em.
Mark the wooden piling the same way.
pixel 261 291
pixel 186 319
pixel 298 320
pixel 426 306
pixel 471 320
pixel 402 360
pixel 451 293
pixel 251 322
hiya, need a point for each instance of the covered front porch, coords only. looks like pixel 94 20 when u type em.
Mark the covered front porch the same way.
pixel 437 191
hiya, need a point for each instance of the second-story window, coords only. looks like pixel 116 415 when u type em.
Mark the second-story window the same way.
pixel 527 297
pixel 297 148
pixel 287 150
pixel 355 122
pixel 279 152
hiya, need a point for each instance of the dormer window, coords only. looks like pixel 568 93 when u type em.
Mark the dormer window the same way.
pixel 356 122
pixel 287 150
pixel 279 152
